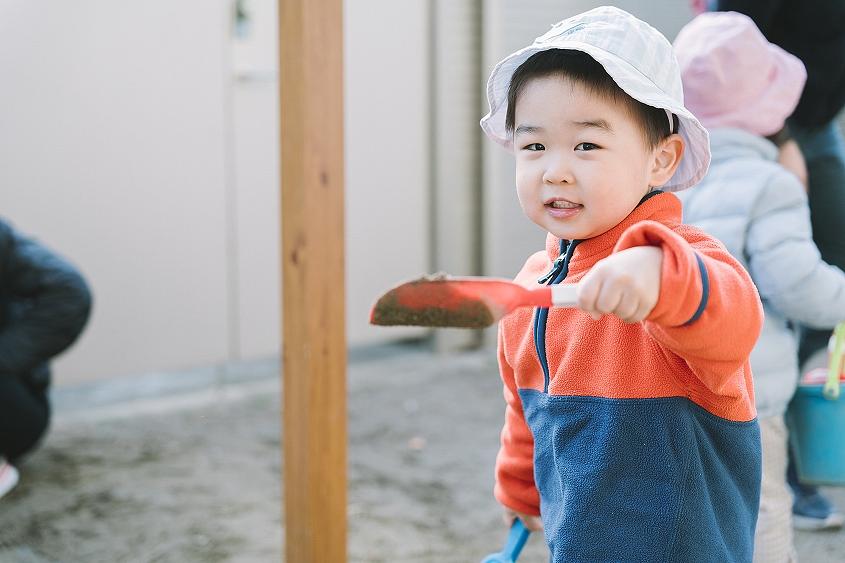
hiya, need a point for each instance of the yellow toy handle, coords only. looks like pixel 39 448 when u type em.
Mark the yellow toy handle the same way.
pixel 831 386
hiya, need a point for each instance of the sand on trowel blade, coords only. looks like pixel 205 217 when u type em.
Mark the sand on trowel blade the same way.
pixel 437 301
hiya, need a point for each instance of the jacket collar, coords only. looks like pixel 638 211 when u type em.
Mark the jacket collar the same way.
pixel 663 207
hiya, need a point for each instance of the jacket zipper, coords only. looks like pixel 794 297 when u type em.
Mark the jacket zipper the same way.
pixel 556 266
pixel 559 271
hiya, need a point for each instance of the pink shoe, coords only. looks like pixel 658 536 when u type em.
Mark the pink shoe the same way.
pixel 8 477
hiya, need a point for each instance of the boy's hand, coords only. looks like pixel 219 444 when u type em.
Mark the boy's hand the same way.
pixel 625 284
pixel 533 523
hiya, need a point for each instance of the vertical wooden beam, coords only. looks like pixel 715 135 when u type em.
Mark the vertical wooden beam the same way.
pixel 314 337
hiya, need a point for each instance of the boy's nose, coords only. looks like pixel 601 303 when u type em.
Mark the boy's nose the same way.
pixel 557 172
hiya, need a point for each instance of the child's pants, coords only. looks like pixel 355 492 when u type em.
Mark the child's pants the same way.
pixel 24 415
pixel 773 538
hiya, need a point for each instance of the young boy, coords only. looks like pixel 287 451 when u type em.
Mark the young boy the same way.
pixel 630 425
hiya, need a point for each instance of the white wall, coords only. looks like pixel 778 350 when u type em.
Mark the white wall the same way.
pixel 256 199
pixel 112 152
pixel 386 53
pixel 456 148
pixel 254 184
pixel 141 141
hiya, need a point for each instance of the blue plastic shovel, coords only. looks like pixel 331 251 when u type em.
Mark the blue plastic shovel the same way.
pixel 516 540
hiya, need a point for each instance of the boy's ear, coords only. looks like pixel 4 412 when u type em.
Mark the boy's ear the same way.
pixel 667 157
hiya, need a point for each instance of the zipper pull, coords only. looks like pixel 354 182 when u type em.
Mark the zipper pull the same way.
pixel 556 266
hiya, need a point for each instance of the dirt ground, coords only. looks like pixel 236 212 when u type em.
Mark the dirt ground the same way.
pixel 190 471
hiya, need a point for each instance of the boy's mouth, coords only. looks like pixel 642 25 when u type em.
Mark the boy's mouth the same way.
pixel 557 203
pixel 559 208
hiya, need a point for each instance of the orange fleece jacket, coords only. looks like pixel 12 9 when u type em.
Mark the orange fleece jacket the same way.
pixel 666 355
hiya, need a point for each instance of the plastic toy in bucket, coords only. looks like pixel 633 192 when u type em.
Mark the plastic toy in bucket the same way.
pixel 816 419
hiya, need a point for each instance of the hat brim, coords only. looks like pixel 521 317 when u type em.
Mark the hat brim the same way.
pixel 696 160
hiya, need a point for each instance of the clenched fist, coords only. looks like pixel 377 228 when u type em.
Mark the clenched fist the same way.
pixel 625 284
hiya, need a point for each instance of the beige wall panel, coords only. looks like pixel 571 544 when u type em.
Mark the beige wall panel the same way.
pixel 387 151
pixel 111 151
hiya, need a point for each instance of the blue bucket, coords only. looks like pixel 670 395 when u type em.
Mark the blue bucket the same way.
pixel 817 436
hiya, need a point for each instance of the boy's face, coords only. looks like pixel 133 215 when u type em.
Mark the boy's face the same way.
pixel 582 162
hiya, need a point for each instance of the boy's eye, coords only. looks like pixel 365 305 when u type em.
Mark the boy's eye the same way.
pixel 534 147
pixel 586 147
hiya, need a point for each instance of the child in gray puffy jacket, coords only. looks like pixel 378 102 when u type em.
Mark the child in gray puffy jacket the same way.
pixel 742 88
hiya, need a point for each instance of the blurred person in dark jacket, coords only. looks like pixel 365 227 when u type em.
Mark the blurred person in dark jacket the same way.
pixel 814 31
pixel 44 305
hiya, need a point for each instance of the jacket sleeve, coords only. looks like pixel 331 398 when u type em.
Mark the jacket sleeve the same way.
pixel 708 311
pixel 785 262
pixel 515 486
pixel 47 303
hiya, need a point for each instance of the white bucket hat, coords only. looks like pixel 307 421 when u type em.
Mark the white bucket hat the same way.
pixel 636 56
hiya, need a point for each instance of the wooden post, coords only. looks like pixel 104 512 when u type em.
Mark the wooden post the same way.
pixel 314 335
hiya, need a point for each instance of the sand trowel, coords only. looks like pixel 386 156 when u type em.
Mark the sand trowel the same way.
pixel 516 540
pixel 463 302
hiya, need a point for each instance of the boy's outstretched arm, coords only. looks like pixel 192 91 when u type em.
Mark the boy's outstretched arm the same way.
pixel 708 311
pixel 515 487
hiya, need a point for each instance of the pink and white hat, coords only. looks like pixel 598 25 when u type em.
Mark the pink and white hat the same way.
pixel 733 77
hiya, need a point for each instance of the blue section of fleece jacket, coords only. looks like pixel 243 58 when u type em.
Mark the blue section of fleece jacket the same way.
pixel 643 480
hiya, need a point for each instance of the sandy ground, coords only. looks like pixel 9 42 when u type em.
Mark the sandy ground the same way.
pixel 191 472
